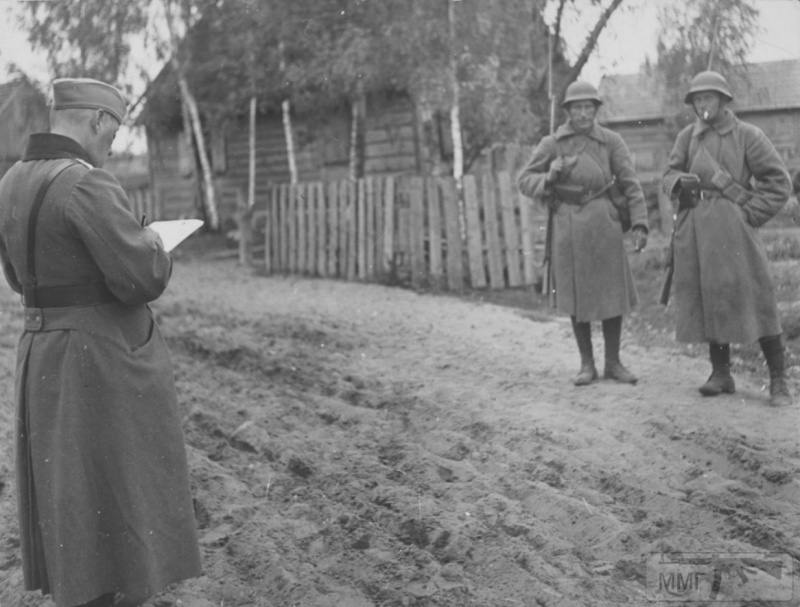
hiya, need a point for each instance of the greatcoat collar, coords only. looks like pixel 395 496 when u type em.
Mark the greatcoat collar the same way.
pixel 566 130
pixel 722 125
pixel 50 146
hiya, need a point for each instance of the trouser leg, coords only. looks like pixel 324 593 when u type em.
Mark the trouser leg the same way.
pixel 583 337
pixel 612 335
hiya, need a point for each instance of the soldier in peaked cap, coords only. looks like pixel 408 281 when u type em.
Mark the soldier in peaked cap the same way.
pixel 585 174
pixel 727 180
pixel 105 511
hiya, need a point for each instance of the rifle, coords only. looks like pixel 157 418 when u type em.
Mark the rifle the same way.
pixel 547 284
pixel 666 287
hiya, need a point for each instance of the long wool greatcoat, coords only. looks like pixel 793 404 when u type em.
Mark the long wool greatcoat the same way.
pixel 722 287
pixel 104 499
pixel 590 266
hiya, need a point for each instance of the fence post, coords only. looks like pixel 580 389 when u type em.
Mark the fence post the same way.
pixel 474 240
pixel 388 226
pixel 453 243
pixel 434 232
pixel 243 216
pixel 491 226
pixel 416 230
pixel 510 231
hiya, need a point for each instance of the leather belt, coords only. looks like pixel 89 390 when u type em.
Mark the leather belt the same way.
pixel 62 296
pixel 708 193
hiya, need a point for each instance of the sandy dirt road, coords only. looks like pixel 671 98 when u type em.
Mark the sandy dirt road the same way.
pixel 356 445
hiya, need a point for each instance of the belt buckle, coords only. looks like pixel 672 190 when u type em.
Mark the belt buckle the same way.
pixel 34 319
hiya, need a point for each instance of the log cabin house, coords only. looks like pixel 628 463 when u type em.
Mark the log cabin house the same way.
pixel 393 133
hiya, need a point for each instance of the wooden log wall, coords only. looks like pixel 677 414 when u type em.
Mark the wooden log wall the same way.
pixel 405 229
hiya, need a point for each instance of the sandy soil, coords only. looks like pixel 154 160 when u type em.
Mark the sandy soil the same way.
pixel 354 445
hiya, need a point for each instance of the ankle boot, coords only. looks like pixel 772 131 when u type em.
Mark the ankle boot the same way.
pixel 720 379
pixel 772 347
pixel 583 336
pixel 612 333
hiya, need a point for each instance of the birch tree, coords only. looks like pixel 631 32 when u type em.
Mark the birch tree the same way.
pixel 191 111
pixel 701 34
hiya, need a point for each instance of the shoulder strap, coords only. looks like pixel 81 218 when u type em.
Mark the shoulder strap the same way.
pixel 29 290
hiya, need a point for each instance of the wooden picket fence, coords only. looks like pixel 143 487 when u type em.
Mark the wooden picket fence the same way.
pixel 405 229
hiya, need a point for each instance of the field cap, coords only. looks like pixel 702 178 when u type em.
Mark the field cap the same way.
pixel 88 93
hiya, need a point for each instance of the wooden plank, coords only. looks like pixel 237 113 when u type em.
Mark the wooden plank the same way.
pixel 351 198
pixel 361 224
pixel 377 252
pixel 322 228
pixel 268 242
pixel 332 250
pixel 434 233
pixel 342 205
pixel 369 225
pixel 387 259
pixel 511 243
pixel 302 235
pixel 403 244
pixel 477 273
pixel 491 228
pixel 308 239
pixel 313 236
pixel 284 226
pixel 453 249
pixel 291 220
pixel 530 265
pixel 416 229
pixel 343 219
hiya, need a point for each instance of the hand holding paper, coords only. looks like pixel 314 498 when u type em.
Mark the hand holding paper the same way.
pixel 173 232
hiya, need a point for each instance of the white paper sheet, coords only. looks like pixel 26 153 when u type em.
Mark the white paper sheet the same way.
pixel 174 232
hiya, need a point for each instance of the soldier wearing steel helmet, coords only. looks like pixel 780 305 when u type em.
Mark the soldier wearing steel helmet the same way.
pixel 584 172
pixel 727 180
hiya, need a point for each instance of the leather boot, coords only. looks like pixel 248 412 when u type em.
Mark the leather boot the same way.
pixel 612 333
pixel 583 336
pixel 720 379
pixel 772 347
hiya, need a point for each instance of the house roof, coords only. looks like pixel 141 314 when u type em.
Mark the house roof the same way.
pixel 764 86
pixel 7 90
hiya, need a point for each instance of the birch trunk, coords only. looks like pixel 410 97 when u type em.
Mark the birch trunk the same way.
pixel 194 115
pixel 190 104
pixel 455 109
pixel 251 172
pixel 288 132
pixel 358 115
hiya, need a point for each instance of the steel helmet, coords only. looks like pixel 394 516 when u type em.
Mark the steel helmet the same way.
pixel 708 81
pixel 581 91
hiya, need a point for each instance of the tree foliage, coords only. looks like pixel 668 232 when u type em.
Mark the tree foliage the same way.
pixel 700 35
pixel 326 54
pixel 90 38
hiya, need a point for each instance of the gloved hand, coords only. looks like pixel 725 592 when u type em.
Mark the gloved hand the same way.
pixel 639 235
pixel 559 166
pixel 688 188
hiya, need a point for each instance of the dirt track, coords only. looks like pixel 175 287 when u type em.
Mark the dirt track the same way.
pixel 355 445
